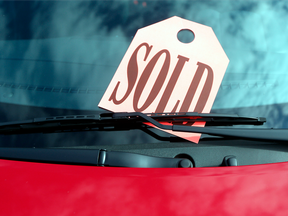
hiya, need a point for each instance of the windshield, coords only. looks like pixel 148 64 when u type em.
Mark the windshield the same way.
pixel 58 57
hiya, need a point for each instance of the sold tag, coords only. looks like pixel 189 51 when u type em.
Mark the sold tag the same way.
pixel 160 74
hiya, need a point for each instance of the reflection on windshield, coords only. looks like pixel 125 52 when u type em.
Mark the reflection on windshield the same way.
pixel 63 54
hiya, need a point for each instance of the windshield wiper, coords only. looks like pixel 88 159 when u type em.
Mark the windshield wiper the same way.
pixel 92 157
pixel 126 121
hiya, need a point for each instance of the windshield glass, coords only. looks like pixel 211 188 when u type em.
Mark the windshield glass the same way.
pixel 58 57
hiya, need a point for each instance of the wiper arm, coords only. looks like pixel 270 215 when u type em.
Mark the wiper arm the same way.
pixel 248 134
pixel 93 157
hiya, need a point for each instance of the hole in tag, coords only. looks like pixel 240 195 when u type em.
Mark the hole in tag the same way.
pixel 185 36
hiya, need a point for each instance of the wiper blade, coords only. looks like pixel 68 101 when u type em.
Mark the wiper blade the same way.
pixel 123 121
pixel 93 157
pixel 112 118
pixel 119 121
pixel 191 117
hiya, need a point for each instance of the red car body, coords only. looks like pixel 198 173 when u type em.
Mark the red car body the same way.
pixel 29 189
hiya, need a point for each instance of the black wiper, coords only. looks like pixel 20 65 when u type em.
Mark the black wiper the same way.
pixel 92 157
pixel 119 121
pixel 124 121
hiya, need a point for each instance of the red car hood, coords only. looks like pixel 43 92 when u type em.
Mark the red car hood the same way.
pixel 47 189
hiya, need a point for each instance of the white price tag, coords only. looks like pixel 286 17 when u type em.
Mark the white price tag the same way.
pixel 160 74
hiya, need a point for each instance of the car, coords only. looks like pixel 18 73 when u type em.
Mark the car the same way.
pixel 61 154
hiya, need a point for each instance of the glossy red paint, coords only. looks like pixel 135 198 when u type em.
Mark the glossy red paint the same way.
pixel 48 189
